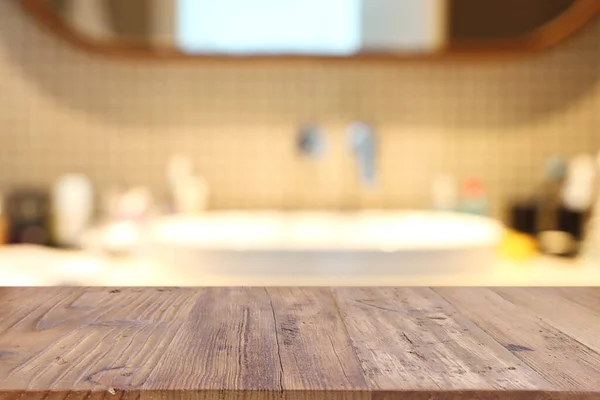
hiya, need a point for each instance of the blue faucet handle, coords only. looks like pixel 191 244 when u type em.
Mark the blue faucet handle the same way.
pixel 361 141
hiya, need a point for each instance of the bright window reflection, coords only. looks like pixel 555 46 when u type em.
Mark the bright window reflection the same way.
pixel 269 26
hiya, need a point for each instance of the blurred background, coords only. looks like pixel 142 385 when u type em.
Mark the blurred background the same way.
pixel 264 142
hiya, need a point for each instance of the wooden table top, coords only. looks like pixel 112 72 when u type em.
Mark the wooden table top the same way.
pixel 355 343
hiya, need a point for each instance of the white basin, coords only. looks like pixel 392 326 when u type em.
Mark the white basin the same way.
pixel 320 244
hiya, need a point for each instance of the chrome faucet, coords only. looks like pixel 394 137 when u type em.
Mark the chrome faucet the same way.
pixel 362 143
pixel 311 141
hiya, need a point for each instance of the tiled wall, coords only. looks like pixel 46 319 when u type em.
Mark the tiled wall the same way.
pixel 63 110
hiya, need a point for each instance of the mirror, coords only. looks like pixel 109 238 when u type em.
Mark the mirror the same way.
pixel 332 28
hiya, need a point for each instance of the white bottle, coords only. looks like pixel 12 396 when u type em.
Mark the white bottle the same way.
pixel 591 246
pixel 191 195
pixel 189 192
pixel 72 206
pixel 578 189
pixel 444 193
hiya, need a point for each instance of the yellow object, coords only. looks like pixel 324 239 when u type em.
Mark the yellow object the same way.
pixel 518 246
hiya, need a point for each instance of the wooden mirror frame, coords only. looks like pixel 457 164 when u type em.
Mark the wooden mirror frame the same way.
pixel 543 38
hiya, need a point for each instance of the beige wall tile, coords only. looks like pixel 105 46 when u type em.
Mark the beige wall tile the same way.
pixel 63 110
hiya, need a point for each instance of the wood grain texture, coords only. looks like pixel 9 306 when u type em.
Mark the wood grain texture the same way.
pixel 563 361
pixel 588 297
pixel 558 310
pixel 314 347
pixel 412 338
pixel 296 344
pixel 226 342
pixel 263 339
pixel 87 339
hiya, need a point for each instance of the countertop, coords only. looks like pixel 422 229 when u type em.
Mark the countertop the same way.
pixel 304 343
pixel 26 265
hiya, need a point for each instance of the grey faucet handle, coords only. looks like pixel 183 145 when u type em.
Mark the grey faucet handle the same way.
pixel 311 141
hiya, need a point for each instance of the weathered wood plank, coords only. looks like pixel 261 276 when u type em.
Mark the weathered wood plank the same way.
pixel 585 296
pixel 68 395
pixel 167 340
pixel 295 344
pixel 413 339
pixel 315 350
pixel 191 394
pixel 262 339
pixel 553 307
pixel 227 342
pixel 564 362
pixel 88 339
pixel 485 395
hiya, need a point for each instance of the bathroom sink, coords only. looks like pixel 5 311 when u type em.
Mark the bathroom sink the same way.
pixel 321 244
